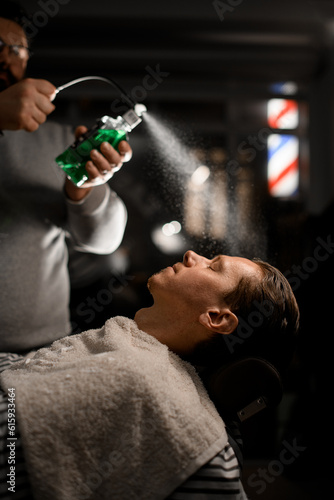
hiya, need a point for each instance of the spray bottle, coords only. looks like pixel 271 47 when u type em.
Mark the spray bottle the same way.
pixel 106 129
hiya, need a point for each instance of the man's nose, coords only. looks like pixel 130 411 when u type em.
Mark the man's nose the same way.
pixel 191 258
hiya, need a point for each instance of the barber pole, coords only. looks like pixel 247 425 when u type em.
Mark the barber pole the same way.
pixel 283 114
pixel 283 150
pixel 283 165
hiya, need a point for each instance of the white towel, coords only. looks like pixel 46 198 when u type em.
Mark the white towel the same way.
pixel 112 414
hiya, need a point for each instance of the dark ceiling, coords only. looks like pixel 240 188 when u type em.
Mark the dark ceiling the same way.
pixel 204 45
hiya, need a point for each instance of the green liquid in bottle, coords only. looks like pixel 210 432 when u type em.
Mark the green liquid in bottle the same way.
pixel 74 159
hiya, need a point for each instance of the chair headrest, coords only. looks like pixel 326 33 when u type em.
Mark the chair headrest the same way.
pixel 244 387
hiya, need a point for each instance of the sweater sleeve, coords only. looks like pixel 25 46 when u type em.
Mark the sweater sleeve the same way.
pixel 97 223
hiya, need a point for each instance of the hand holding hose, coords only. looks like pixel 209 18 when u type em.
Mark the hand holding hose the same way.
pixel 26 105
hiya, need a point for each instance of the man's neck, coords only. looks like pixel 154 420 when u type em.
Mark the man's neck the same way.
pixel 144 320
pixel 172 331
pixel 148 321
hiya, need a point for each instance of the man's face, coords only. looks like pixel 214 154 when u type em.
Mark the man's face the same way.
pixel 198 282
pixel 12 68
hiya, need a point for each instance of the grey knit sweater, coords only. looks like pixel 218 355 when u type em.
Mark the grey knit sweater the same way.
pixel 35 218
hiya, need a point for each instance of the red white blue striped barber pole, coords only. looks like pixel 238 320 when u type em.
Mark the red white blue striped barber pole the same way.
pixel 283 150
pixel 283 113
pixel 283 165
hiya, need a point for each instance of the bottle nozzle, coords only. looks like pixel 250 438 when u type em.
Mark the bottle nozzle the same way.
pixel 140 109
pixel 133 116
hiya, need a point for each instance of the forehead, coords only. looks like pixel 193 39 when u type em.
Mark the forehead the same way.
pixel 11 32
pixel 240 267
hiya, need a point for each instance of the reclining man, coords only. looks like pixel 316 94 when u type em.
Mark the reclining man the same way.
pixel 121 412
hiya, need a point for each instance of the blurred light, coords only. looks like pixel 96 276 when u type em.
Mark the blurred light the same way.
pixel 171 228
pixel 200 175
pixel 283 165
pixel 284 88
pixel 283 113
pixel 168 238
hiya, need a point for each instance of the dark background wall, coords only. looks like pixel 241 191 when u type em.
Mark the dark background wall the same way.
pixel 216 64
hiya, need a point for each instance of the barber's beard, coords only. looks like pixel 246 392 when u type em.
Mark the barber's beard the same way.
pixel 9 78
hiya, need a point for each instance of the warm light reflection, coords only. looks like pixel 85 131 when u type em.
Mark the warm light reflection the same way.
pixel 200 175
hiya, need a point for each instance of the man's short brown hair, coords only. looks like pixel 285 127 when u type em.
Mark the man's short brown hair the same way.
pixel 268 316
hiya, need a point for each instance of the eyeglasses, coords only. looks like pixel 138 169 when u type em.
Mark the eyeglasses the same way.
pixel 18 51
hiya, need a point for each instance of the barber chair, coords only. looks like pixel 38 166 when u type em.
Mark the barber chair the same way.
pixel 243 388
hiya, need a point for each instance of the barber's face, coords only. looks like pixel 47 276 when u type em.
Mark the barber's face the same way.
pixel 198 282
pixel 12 67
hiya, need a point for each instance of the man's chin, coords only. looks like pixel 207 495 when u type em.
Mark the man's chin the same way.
pixel 156 280
pixel 149 283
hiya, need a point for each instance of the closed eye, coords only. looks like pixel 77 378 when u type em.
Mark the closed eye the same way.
pixel 217 263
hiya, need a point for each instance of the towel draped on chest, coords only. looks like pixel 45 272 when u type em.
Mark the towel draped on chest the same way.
pixel 112 413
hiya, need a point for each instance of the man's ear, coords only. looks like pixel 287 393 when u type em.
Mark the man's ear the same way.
pixel 220 321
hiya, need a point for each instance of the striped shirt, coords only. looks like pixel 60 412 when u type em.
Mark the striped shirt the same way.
pixel 218 479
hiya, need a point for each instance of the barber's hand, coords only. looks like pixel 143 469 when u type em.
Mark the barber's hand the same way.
pixel 101 166
pixel 26 105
